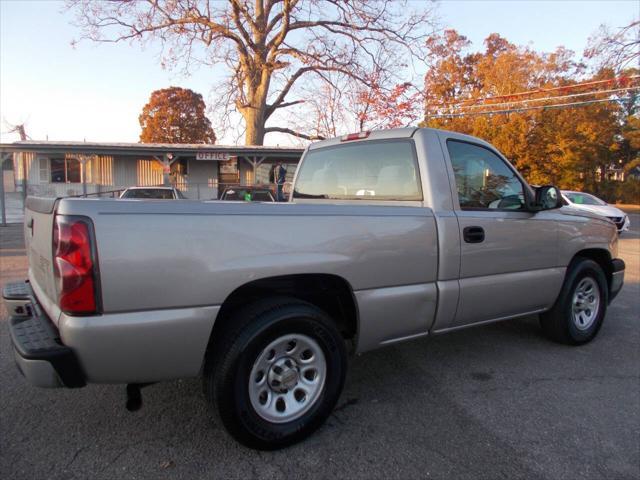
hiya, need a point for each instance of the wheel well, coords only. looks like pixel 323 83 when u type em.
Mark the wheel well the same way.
pixel 330 293
pixel 601 257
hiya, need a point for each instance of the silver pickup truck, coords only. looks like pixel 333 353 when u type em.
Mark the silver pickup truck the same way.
pixel 388 236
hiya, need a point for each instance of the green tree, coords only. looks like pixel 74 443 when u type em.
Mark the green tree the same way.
pixel 175 115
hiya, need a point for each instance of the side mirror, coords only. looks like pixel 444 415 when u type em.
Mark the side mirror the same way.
pixel 548 197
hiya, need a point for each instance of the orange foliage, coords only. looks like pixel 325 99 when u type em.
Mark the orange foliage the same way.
pixel 563 146
pixel 175 115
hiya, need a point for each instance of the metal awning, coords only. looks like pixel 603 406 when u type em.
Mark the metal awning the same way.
pixel 151 149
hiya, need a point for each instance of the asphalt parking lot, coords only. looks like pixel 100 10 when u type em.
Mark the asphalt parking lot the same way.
pixel 498 401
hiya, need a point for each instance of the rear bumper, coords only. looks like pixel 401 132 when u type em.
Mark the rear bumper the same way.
pixel 617 277
pixel 39 353
pixel 140 347
pixel 131 347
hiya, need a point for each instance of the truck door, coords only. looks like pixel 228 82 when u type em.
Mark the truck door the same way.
pixel 508 263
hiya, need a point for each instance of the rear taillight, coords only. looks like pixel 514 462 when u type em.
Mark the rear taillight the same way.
pixel 74 265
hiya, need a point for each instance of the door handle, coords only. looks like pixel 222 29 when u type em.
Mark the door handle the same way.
pixel 473 234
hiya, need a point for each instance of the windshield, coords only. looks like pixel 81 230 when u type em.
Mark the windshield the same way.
pixel 583 199
pixel 149 193
pixel 384 170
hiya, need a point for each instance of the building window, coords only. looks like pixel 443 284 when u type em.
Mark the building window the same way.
pixel 180 167
pixel 43 164
pixel 65 170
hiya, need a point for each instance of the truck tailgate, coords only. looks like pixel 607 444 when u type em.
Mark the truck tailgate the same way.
pixel 38 237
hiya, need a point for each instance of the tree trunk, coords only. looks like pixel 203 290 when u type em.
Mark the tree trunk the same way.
pixel 255 109
pixel 254 119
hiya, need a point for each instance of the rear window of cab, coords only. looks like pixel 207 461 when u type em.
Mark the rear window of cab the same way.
pixel 383 170
pixel 149 193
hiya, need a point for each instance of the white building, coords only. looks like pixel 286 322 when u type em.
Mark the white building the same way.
pixel 58 169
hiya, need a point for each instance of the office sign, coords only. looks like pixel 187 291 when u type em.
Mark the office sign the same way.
pixel 216 156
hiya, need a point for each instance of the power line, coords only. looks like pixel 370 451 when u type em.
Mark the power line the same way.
pixel 524 109
pixel 542 90
pixel 565 87
pixel 573 95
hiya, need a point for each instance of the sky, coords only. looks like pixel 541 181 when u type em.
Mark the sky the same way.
pixel 95 92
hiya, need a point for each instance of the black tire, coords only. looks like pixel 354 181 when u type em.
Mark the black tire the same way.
pixel 558 323
pixel 232 357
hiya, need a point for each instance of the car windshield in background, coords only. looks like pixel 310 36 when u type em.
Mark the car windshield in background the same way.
pixel 248 195
pixel 583 199
pixel 385 170
pixel 149 193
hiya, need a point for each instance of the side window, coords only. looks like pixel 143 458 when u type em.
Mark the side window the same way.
pixel 483 179
pixel 385 170
pixel 44 169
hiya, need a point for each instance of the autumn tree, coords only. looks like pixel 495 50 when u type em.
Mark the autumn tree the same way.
pixel 175 115
pixel 460 77
pixel 513 97
pixel 617 52
pixel 347 106
pixel 269 47
pixel 396 107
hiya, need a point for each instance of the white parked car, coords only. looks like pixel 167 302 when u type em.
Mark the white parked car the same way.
pixel 591 203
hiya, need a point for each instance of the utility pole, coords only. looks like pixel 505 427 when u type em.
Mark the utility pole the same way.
pixel 21 131
pixel 3 209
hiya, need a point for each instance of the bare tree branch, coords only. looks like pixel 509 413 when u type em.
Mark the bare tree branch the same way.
pixel 616 50
pixel 294 133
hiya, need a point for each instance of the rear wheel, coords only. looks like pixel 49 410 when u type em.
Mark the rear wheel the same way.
pixel 579 311
pixel 277 375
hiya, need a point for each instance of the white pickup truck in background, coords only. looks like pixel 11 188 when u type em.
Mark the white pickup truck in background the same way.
pixel 388 236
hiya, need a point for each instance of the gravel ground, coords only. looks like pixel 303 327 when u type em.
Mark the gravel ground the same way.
pixel 498 401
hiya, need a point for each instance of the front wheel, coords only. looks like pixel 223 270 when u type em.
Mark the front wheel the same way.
pixel 277 375
pixel 579 311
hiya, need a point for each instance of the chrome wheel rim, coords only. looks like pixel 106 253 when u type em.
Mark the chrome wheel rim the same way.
pixel 586 303
pixel 287 378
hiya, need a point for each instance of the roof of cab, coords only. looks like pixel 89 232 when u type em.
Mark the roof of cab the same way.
pixel 406 132
pixel 394 133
